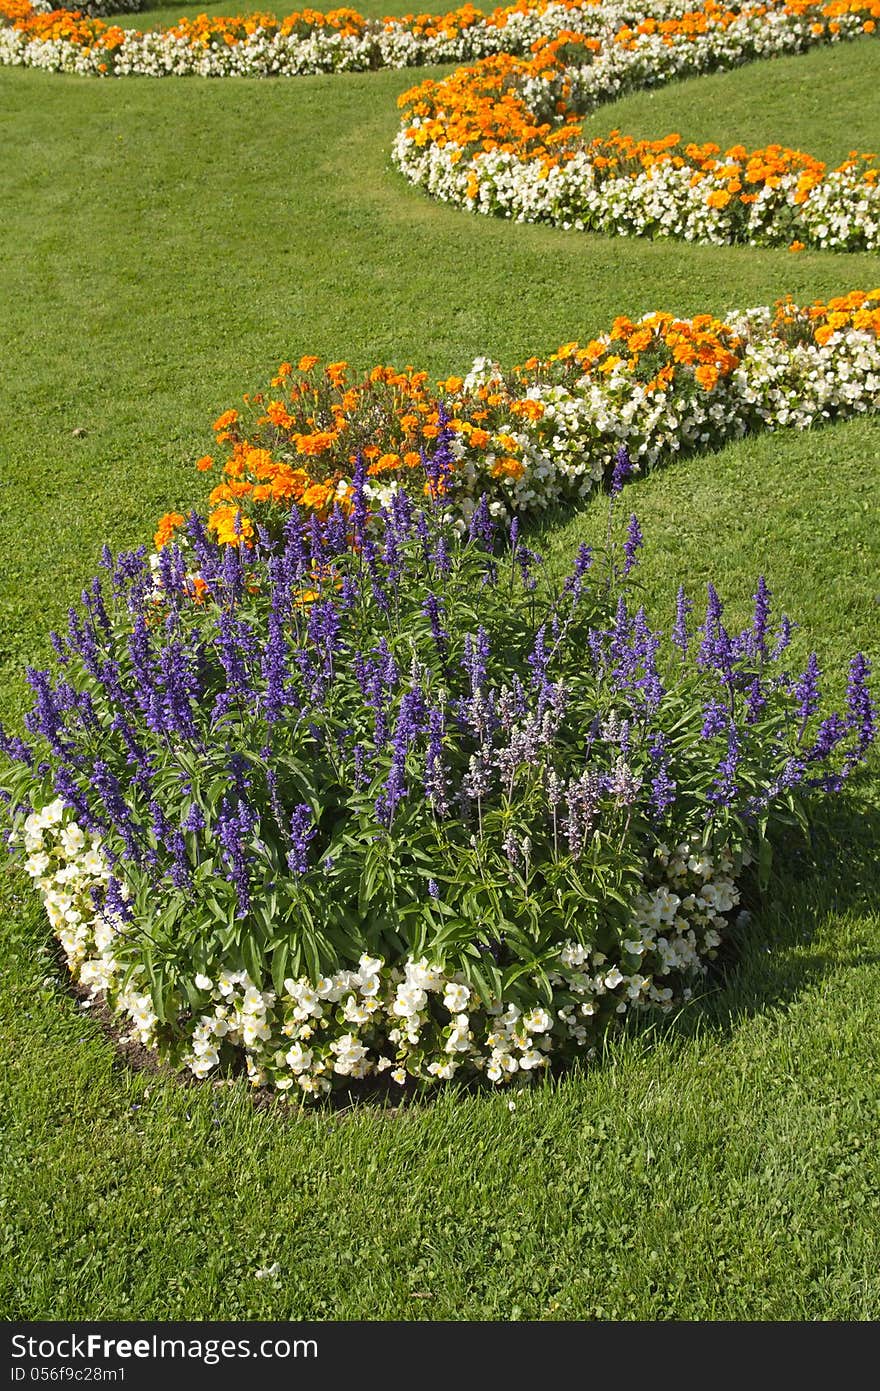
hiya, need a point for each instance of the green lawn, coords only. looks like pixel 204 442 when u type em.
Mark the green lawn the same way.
pixel 165 243
pixel 162 16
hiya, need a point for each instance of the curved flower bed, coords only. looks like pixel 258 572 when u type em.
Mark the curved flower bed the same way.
pixel 503 136
pixel 549 432
pixel 337 783
pixel 308 806
pixel 629 40
pixel 306 41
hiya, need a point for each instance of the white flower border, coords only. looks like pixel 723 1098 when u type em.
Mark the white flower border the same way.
pixel 392 43
pixel 409 1020
pixel 571 449
pixel 842 212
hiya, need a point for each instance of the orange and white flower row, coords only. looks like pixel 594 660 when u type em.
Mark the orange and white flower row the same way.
pixel 306 41
pixel 548 431
pixel 503 137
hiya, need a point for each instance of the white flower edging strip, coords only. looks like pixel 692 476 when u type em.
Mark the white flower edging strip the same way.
pixel 411 1021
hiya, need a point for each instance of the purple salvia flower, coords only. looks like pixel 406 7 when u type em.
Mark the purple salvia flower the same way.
pixel 716 648
pixel 361 777
pixel 114 902
pixel 831 732
pixel 68 789
pixel 634 541
pixel 482 528
pixel 337 531
pixel 663 787
pixel 755 700
pixel 424 536
pixel 302 833
pixel 114 803
pixel 273 665
pixel 725 788
pixel 760 620
pixel 402 513
pixel 622 470
pixel 235 823
pixel 783 638
pixel 372 561
pixel 575 583
pixel 861 714
pixel 60 649
pixel 683 607
pixel 47 715
pixel 806 692
pixel 525 559
pixel 16 748
pixel 195 820
pixel 475 659
pixel 181 688
pixel 440 557
pixel 539 658
pixel 360 507
pixel 715 719
pixel 431 608
pixel 180 872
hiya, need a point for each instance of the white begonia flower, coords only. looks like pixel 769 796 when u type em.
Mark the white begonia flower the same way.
pixel 298 1059
pixel 409 1000
pixel 72 840
pixel 612 979
pixel 538 1021
pixel 203 982
pixel 456 997
pixel 354 1011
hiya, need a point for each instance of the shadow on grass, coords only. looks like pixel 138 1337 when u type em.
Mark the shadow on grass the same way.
pixel 769 962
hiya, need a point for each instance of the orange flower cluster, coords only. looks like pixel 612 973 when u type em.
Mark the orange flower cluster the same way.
pixel 205 31
pixel 482 107
pixel 298 441
pixel 659 352
pixel 736 175
pixel 818 321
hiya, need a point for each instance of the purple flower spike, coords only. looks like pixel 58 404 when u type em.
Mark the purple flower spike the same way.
pixel 634 541
pixel 680 636
pixel 861 713
pixel 302 833
pixel 622 470
pixel 482 527
pixel 760 620
pixel 806 691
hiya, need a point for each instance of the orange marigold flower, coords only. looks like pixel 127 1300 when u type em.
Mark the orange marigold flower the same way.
pixel 231 526
pixel 707 376
pixel 226 420
pixel 306 363
pixel 205 463
pixel 166 528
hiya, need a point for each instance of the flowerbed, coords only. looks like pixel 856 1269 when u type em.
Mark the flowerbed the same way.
pixel 503 136
pixel 632 43
pixel 306 41
pixel 371 795
pixel 548 432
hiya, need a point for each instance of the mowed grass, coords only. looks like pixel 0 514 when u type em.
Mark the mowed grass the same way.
pixel 165 244
pixel 163 16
